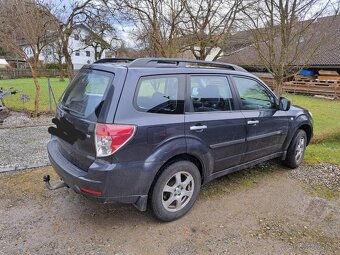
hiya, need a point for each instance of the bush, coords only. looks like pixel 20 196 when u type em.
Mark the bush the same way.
pixel 55 66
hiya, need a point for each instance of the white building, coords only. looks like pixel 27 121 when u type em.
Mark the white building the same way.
pixel 81 54
pixel 4 64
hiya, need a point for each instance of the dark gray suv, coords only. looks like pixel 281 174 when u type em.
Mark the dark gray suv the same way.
pixel 151 131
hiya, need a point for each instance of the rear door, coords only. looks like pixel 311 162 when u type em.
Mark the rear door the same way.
pixel 153 101
pixel 78 112
pixel 267 127
pixel 212 118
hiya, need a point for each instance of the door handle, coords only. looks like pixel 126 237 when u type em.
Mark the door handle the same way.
pixel 252 122
pixel 198 128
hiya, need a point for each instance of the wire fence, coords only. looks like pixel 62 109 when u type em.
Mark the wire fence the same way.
pixel 26 73
pixel 51 96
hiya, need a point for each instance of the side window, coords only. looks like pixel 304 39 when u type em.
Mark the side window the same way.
pixel 210 93
pixel 253 95
pixel 159 94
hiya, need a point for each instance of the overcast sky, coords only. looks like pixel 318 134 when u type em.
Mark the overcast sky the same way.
pixel 124 29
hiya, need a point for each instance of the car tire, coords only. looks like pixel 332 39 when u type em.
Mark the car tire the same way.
pixel 175 190
pixel 296 149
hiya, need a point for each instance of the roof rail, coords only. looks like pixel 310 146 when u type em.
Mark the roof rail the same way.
pixel 114 60
pixel 177 62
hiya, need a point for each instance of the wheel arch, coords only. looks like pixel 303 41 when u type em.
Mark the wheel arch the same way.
pixel 183 156
pixel 308 129
pixel 303 124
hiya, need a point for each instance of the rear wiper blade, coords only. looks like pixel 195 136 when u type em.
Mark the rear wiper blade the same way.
pixel 70 109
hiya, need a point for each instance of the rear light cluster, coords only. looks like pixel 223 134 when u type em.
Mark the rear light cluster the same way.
pixel 110 138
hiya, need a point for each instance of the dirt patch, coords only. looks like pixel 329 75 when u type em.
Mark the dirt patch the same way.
pixel 223 221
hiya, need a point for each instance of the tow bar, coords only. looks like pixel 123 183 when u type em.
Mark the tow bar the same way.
pixel 48 185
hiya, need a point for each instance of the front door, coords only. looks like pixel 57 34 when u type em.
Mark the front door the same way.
pixel 212 119
pixel 267 126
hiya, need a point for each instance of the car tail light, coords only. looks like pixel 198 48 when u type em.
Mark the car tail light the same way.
pixel 110 138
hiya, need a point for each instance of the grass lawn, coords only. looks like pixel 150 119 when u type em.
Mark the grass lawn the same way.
pixel 26 86
pixel 325 145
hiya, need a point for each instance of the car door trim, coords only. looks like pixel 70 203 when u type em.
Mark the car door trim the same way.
pixel 228 143
pixel 243 166
pixel 252 138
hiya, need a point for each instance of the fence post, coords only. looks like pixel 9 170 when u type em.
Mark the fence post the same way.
pixel 49 94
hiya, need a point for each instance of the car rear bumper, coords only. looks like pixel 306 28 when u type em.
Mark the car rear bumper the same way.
pixel 125 183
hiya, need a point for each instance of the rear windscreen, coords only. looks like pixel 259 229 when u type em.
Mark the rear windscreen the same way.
pixel 84 96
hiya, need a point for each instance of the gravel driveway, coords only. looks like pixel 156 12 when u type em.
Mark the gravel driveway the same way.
pixel 23 148
pixel 23 142
pixel 265 210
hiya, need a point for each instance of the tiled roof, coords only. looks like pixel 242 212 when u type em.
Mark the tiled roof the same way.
pixel 320 47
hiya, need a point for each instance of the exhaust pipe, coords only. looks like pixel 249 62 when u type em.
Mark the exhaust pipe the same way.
pixel 48 185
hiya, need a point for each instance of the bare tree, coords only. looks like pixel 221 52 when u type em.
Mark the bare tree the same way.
pixel 54 52
pixel 102 35
pixel 207 24
pixel 68 17
pixel 24 28
pixel 157 22
pixel 283 35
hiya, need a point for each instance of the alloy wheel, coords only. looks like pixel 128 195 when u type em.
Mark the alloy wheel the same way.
pixel 178 191
pixel 300 147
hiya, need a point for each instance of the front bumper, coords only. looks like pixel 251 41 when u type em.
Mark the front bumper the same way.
pixel 125 183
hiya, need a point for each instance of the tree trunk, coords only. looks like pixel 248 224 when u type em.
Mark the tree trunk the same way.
pixel 68 59
pixel 34 70
pixel 70 70
pixel 61 72
pixel 61 75
pixel 279 78
pixel 278 85
pixel 100 54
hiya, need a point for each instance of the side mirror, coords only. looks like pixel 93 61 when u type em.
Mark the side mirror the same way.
pixel 284 104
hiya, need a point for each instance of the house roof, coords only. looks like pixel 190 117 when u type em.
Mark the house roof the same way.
pixel 320 46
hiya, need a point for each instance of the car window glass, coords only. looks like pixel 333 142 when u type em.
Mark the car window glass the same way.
pixel 86 92
pixel 253 95
pixel 210 93
pixel 159 94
